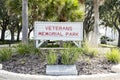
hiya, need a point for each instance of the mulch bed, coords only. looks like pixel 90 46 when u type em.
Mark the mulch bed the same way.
pixel 33 64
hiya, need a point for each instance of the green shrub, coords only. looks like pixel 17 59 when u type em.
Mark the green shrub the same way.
pixel 69 45
pixel 113 55
pixel 70 56
pixel 36 51
pixel 92 52
pixel 5 54
pixel 65 57
pixel 51 57
pixel 24 49
pixel 27 49
pixel 52 46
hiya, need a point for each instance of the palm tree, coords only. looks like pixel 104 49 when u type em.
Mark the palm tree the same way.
pixel 25 21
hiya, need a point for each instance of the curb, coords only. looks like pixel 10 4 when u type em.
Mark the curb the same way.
pixel 5 75
pixel 0 66
pixel 116 68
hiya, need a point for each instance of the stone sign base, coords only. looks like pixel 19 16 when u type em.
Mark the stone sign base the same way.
pixel 61 70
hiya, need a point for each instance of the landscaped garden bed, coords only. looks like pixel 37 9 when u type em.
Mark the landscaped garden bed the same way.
pixel 32 64
pixel 30 60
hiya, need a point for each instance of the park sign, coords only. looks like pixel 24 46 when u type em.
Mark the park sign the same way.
pixel 65 31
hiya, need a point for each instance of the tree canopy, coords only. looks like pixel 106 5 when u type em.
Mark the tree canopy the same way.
pixel 48 10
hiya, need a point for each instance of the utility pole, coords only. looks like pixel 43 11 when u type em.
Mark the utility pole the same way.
pixel 25 22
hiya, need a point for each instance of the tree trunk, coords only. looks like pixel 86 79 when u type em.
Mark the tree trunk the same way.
pixel 12 36
pixel 18 35
pixel 118 29
pixel 106 31
pixel 3 34
pixel 25 22
pixel 119 38
pixel 94 42
pixel 30 32
pixel 86 36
